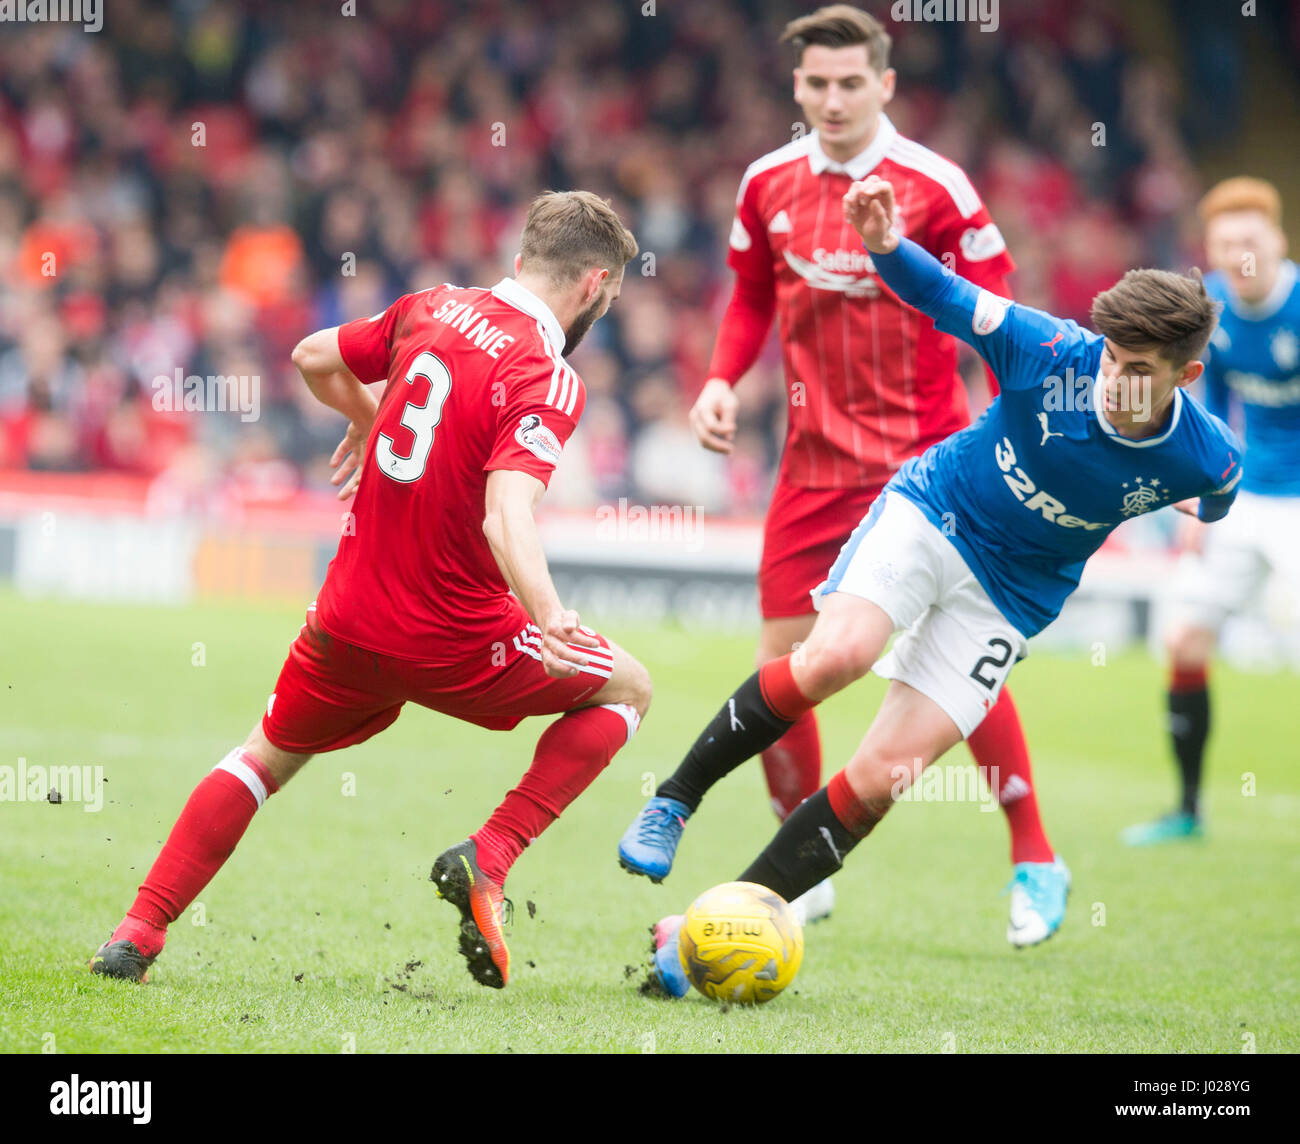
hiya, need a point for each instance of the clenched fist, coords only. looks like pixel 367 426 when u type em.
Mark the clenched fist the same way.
pixel 869 209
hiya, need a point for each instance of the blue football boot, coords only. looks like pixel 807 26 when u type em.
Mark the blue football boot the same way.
pixel 667 978
pixel 648 845
pixel 1176 827
pixel 1038 894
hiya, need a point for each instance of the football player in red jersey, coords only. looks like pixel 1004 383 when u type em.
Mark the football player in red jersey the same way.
pixel 447 468
pixel 871 384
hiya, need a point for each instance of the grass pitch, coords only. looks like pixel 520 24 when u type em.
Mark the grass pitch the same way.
pixel 322 933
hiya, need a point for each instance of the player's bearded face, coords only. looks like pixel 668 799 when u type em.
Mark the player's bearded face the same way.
pixel 587 318
pixel 581 324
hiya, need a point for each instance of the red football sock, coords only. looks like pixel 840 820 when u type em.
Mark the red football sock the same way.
pixel 780 692
pixel 793 765
pixel 1189 678
pixel 570 754
pixel 857 818
pixel 205 835
pixel 998 745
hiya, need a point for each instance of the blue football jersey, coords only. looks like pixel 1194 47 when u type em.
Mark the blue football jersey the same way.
pixel 1253 361
pixel 1029 491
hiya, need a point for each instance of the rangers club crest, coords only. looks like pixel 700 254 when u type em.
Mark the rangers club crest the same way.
pixel 1286 349
pixel 1146 496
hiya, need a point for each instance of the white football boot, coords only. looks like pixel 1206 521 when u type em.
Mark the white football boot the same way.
pixel 815 904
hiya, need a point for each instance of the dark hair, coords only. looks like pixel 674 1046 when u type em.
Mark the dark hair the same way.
pixel 841 26
pixel 568 232
pixel 1157 309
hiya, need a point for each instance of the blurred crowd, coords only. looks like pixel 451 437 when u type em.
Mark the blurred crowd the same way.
pixel 200 184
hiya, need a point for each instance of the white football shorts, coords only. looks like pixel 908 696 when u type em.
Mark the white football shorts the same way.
pixel 956 648
pixel 1259 537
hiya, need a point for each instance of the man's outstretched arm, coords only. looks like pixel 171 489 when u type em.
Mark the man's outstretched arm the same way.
pixel 1016 340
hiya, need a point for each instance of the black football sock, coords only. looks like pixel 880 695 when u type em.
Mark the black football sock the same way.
pixel 746 725
pixel 810 846
pixel 1189 726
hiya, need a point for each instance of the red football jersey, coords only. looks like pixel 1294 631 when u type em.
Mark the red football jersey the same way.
pixel 476 381
pixel 876 383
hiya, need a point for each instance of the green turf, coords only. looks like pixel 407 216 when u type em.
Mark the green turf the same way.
pixel 323 934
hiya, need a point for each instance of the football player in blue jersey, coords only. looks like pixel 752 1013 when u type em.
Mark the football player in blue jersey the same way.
pixel 975 545
pixel 1252 370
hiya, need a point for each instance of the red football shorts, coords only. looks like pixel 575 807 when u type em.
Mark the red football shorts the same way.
pixel 332 694
pixel 804 532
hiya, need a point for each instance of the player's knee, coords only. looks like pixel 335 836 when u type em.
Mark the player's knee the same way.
pixel 881 774
pixel 282 765
pixel 631 686
pixel 642 689
pixel 825 668
pixel 1189 647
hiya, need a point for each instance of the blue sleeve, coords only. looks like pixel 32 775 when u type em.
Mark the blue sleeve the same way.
pixel 1215 504
pixel 1017 341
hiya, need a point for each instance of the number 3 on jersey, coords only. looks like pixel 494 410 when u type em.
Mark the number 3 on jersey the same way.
pixel 421 420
